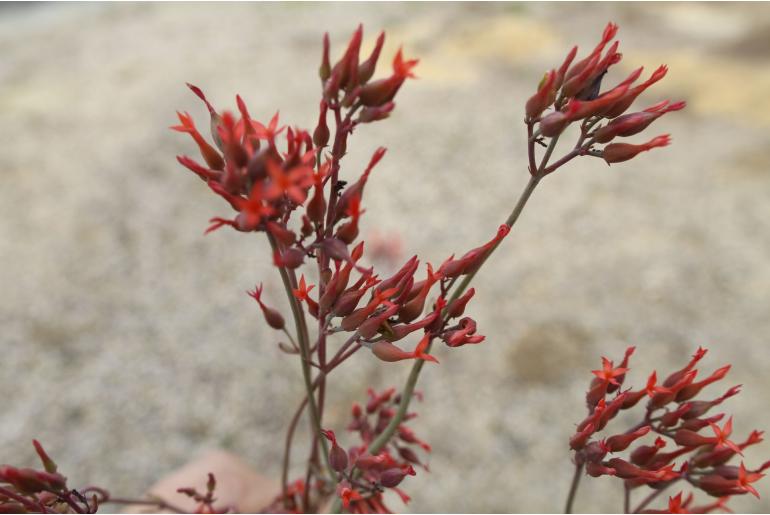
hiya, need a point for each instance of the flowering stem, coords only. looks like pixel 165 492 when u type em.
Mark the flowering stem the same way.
pixel 304 348
pixel 531 149
pixel 512 218
pixel 573 487
pixel 549 151
pixel 406 395
pixel 336 360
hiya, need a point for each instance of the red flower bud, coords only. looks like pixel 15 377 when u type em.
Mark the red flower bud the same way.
pixel 356 190
pixel 386 351
pixel 338 458
pixel 321 132
pixel 381 91
pixel 290 258
pixel 544 97
pixel 619 152
pixel 213 158
pixel 457 307
pixel 48 463
pixel 414 307
pixel 625 102
pixel 367 461
pixel 693 389
pixel 272 317
pixel 619 443
pixel 473 258
pixel 393 477
pixel 579 439
pixel 597 469
pixel 644 453
pixel 366 69
pixel 371 326
pixel 560 74
pixel 634 123
pixel 373 114
pixel 325 70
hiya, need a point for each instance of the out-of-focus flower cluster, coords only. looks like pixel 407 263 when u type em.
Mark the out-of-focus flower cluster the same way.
pixel 679 437
pixel 28 490
pixel 362 477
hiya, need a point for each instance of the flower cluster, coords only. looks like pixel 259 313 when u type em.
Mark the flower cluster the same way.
pixel 702 447
pixel 363 477
pixel 387 468
pixel 572 94
pixel 28 490
pixel 267 185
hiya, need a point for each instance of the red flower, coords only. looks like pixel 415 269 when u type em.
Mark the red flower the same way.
pixel 210 155
pixel 619 152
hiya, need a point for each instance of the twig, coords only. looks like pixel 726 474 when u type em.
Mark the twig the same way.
pixel 573 487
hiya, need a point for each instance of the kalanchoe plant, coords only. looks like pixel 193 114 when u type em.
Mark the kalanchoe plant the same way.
pixel 702 445
pixel 287 184
pixel 27 490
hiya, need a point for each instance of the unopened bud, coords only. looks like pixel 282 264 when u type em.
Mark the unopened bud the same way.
pixel 393 477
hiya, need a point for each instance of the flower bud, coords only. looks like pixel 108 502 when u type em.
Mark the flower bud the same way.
pixel 688 438
pixel 321 133
pixel 693 389
pixel 370 327
pixel 291 258
pixel 554 123
pixel 366 69
pixel 619 152
pixel 393 477
pixel 544 97
pixel 619 443
pixel 579 439
pixel 457 307
pixel 625 102
pixel 338 458
pixel 373 114
pixel 644 453
pixel 325 70
pixel 367 461
pixel 213 158
pixel 381 91
pixel 272 317
pixel 48 463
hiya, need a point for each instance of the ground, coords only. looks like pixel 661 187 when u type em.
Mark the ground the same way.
pixel 128 345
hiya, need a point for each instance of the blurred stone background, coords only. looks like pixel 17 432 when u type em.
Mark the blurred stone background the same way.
pixel 127 345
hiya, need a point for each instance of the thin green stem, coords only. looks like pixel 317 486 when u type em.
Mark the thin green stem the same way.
pixel 549 151
pixel 291 338
pixel 573 488
pixel 336 360
pixel 406 395
pixel 289 284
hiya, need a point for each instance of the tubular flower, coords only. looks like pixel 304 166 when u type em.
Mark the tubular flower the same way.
pixel 573 93
pixel 209 153
pixel 672 415
pixel 473 258
pixel 619 152
pixel 273 318
pixel 381 91
pixel 386 351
